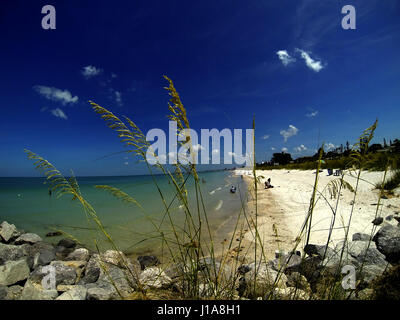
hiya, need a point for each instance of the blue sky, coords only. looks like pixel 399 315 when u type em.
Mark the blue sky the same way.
pixel 288 63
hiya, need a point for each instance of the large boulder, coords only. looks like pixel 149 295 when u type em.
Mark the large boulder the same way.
pixel 3 292
pixel 361 237
pixel 80 254
pixel 290 293
pixel 11 252
pixel 35 291
pixel 320 251
pixel 285 262
pixel 387 241
pixel 92 270
pixel 297 280
pixel 148 261
pixel 67 243
pixel 39 254
pixel 154 277
pixel 8 231
pixel 112 281
pixel 114 257
pixel 76 293
pixel 64 274
pixel 14 292
pixel 261 280
pixel 29 238
pixel 13 271
pixel 97 293
pixel 364 252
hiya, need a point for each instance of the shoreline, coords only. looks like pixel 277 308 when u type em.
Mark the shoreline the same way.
pixel 286 206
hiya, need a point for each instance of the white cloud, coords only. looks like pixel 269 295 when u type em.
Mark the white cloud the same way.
pixel 197 147
pixel 312 114
pixel 285 57
pixel 265 137
pixel 290 132
pixel 273 148
pixel 90 71
pixel 118 97
pixel 126 163
pixel 284 149
pixel 59 113
pixel 330 146
pixel 113 75
pixel 310 62
pixel 300 148
pixel 63 96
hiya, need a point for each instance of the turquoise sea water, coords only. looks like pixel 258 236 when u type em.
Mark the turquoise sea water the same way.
pixel 26 203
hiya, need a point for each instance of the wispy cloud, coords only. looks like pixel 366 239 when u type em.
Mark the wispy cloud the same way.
pixel 290 132
pixel 54 94
pixel 265 137
pixel 310 62
pixel 59 113
pixel 90 71
pixel 312 114
pixel 284 149
pixel 118 97
pixel 285 57
pixel 273 148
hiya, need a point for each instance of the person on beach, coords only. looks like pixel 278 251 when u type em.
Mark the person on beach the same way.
pixel 268 184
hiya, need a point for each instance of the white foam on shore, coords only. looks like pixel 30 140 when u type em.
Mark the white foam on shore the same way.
pixel 219 205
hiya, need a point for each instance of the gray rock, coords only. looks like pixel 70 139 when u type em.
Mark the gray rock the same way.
pixel 361 237
pixel 288 294
pixel 13 271
pixel 297 280
pixel 285 260
pixel 11 252
pixel 64 274
pixel 148 261
pixel 116 277
pixel 377 221
pixel 14 293
pixel 263 279
pixel 8 231
pixel 67 243
pixel 364 252
pixel 80 254
pixel 370 272
pixel 211 269
pixel 54 234
pixel 114 257
pixel 387 241
pixel 29 238
pixel 35 291
pixel 98 293
pixel 76 293
pixel 92 270
pixel 3 292
pixel 320 251
pixel 40 254
pixel 154 277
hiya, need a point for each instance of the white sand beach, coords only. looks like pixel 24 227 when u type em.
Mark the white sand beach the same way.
pixel 286 206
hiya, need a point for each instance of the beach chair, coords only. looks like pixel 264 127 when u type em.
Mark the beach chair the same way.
pixel 330 172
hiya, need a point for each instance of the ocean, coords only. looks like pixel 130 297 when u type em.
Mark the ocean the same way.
pixel 26 203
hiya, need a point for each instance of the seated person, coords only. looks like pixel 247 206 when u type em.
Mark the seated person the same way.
pixel 268 184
